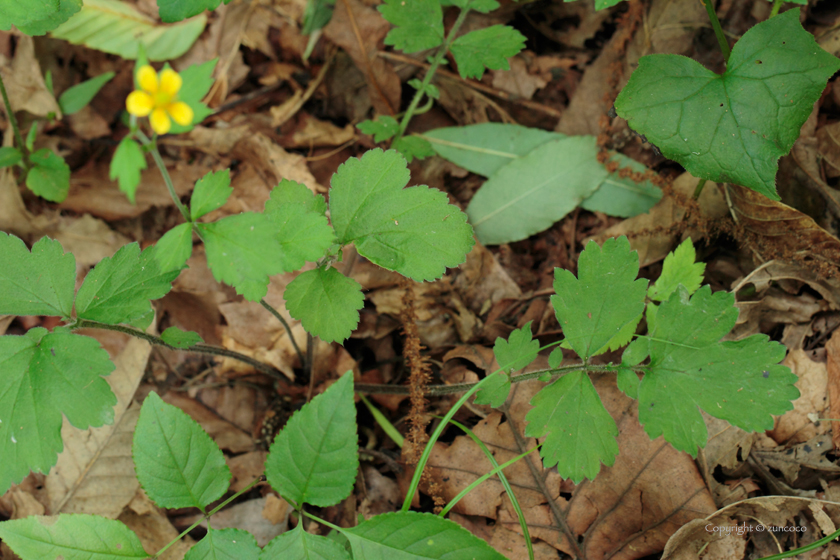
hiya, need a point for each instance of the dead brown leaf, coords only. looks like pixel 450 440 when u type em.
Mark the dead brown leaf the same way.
pixel 153 528
pixel 226 435
pixel 796 425
pixel 25 82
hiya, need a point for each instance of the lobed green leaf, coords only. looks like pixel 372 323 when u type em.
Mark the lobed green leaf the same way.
pixel 175 247
pixel 679 269
pixel 38 283
pixel 418 25
pixel 326 303
pixel 197 81
pixel 225 544
pixel 210 193
pixel 413 147
pixel 36 17
pixel 297 544
pixel 489 47
pixel 126 165
pixel 383 128
pixel 49 176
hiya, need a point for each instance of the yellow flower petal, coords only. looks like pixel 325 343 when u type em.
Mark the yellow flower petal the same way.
pixel 147 79
pixel 160 121
pixel 139 103
pixel 170 82
pixel 181 113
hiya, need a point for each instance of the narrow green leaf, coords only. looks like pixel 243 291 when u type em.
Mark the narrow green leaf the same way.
pixel 49 177
pixel 242 251
pixel 36 17
pixel 71 537
pixel 37 283
pixel 317 15
pixel 595 306
pixel 30 136
pixel 177 463
pixel 44 376
pixel 177 10
pixel 174 336
pixel 418 25
pixel 174 249
pixel 225 544
pixel 737 381
pixel 118 28
pixel 211 192
pixel 9 156
pixel 126 165
pixel 579 432
pixel 489 47
pixel 197 81
pixel 414 231
pixel 297 544
pixel 678 269
pixel 416 536
pixel 76 97
pixel 326 303
pixel 731 127
pixel 119 288
pixel 314 458
pixel 383 128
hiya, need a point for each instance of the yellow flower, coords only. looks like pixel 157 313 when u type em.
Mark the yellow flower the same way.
pixel 157 98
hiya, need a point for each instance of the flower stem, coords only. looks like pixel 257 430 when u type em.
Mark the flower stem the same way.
pixel 152 146
pixel 13 121
pixel 288 328
pixel 699 189
pixel 775 9
pixel 724 44
pixel 418 96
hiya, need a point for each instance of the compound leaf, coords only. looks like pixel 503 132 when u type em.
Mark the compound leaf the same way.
pixel 731 127
pixel 297 544
pixel 242 251
pixel 414 231
pixel 410 535
pixel 174 336
pixel 594 307
pixel 44 376
pixel 579 432
pixel 486 48
pixel 36 17
pixel 71 537
pixel 225 544
pixel 210 193
pixel 50 175
pixel 177 10
pixel 383 128
pixel 737 381
pixel 418 25
pixel 38 283
pixel 315 457
pixel 302 229
pixel 76 97
pixel 119 288
pixel 176 462
pixel 678 269
pixel 326 303
pixel 175 247
pixel 126 165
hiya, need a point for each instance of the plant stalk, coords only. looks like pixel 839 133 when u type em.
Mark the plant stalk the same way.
pixel 288 328
pixel 699 189
pixel 13 121
pixel 152 144
pixel 774 11
pixel 724 44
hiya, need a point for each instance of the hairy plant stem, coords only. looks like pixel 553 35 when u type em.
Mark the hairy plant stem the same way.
pixel 421 91
pixel 200 348
pixel 288 328
pixel 774 11
pixel 724 44
pixel 152 146
pixel 13 121
pixel 206 516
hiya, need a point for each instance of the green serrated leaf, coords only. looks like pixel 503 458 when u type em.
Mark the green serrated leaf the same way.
pixel 731 127
pixel 211 192
pixel 489 47
pixel 409 535
pixel 418 25
pixel 242 251
pixel 495 391
pixel 50 176
pixel 38 283
pixel 678 269
pixel 174 249
pixel 71 537
pixel 197 81
pixel 317 15
pixel 225 544
pixel 76 97
pixel 297 544
pixel 326 303
pixel 302 229
pixel 176 462
pixel 518 351
pixel 579 432
pixel 593 308
pixel 603 4
pixel 414 231
pixel 412 147
pixel 36 17
pixel 383 128
pixel 177 10
pixel 690 369
pixel 119 288
pixel 44 376
pixel 9 156
pixel 174 336
pixel 118 28
pixel 126 165
pixel 315 457
pixel 628 382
